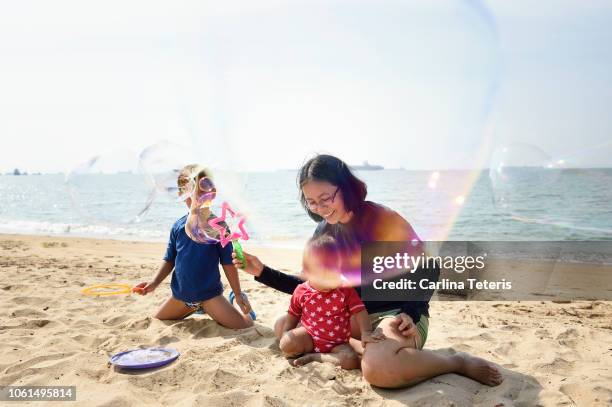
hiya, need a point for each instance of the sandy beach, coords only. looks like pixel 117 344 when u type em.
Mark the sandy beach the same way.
pixel 50 334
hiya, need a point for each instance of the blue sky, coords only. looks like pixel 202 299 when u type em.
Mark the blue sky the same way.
pixel 261 85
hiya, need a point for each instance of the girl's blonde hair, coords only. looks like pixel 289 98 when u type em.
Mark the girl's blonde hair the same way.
pixel 188 174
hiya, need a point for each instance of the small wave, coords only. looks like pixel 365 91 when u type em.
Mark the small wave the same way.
pixel 81 230
pixel 124 232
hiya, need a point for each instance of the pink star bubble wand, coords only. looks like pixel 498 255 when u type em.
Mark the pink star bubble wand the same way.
pixel 225 236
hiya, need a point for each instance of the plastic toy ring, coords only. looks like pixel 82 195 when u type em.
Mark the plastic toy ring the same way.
pixel 99 290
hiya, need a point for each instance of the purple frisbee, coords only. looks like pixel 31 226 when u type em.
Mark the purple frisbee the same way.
pixel 144 358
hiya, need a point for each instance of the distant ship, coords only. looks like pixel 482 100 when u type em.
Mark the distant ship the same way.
pixel 366 166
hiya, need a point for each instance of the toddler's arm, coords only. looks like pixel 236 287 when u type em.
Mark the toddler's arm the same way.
pixel 365 327
pixel 290 323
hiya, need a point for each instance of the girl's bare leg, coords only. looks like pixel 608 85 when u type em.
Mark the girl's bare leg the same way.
pixel 220 309
pixel 173 309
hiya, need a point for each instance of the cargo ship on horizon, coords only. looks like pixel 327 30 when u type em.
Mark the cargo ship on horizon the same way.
pixel 366 166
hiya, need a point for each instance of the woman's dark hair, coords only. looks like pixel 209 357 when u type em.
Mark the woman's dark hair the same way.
pixel 327 168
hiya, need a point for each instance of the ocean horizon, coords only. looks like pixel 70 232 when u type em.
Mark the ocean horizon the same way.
pixel 575 204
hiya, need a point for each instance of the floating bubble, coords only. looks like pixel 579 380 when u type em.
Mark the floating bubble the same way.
pixel 162 163
pixel 223 226
pixel 198 228
pixel 435 215
pixel 406 84
pixel 201 191
pixel 517 171
pixel 109 189
pixel 568 193
pixel 433 180
pixel 205 225
pixel 459 200
pixel 206 190
pixel 219 224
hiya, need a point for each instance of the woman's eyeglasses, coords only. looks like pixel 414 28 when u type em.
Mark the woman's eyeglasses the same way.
pixel 323 202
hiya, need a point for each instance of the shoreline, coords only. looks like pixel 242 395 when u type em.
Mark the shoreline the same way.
pixel 131 238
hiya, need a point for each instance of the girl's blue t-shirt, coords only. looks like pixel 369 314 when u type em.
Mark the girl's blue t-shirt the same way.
pixel 196 265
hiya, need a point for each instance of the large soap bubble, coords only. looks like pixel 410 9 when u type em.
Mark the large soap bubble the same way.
pixel 569 193
pixel 403 84
pixel 208 221
pixel 162 163
pixel 205 226
pixel 109 189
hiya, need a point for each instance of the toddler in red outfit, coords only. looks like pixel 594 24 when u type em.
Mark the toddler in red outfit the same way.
pixel 323 307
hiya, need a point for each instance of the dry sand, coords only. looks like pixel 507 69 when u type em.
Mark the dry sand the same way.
pixel 50 334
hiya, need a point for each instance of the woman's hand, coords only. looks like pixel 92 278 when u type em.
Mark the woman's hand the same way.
pixel 404 325
pixel 372 336
pixel 253 265
pixel 144 288
pixel 243 303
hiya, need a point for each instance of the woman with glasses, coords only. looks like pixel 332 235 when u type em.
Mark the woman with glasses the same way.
pixel 336 199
